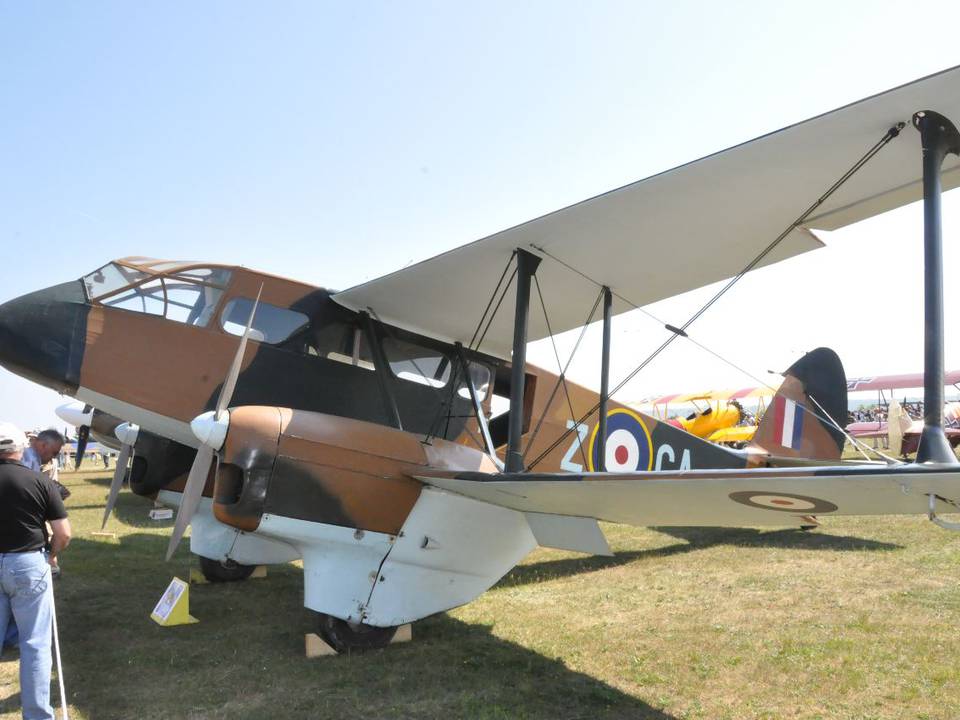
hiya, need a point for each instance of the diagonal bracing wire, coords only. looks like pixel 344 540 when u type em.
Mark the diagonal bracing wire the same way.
pixel 675 332
pixel 563 373
pixel 475 343
pixel 561 380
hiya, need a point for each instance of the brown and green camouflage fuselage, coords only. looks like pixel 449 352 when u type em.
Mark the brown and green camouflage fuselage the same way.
pixel 313 434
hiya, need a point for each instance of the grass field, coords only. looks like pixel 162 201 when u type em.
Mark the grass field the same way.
pixel 858 619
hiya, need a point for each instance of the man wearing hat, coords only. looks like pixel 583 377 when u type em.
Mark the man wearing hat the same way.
pixel 28 500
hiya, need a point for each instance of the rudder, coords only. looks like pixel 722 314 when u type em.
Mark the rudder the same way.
pixel 794 424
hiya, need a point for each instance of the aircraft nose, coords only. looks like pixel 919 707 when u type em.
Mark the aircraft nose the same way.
pixel 42 336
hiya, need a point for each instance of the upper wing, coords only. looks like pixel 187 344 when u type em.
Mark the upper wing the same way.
pixel 737 498
pixel 895 382
pixel 682 229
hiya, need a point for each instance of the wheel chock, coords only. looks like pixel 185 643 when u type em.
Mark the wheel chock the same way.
pixel 174 605
pixel 403 634
pixel 316 646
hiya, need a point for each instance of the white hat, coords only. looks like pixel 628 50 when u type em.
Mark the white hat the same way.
pixel 12 438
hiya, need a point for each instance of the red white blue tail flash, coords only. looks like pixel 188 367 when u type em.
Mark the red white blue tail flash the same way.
pixel 789 421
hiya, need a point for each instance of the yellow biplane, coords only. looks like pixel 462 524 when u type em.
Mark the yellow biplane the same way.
pixel 718 415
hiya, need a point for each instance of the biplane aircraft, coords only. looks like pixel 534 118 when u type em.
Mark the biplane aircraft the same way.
pixel 718 415
pixel 355 430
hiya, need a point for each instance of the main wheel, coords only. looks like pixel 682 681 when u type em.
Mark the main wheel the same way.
pixel 347 637
pixel 217 571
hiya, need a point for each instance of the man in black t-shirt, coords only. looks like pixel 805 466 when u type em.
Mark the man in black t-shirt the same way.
pixel 28 500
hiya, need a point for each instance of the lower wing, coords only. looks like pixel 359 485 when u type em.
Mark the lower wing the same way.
pixel 769 496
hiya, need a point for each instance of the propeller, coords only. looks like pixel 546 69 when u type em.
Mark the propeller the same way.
pixel 81 417
pixel 127 435
pixel 83 434
pixel 210 429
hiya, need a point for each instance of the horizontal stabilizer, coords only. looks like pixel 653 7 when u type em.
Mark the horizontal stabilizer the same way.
pixel 565 532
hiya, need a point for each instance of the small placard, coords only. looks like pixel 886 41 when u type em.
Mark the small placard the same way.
pixel 161 514
pixel 174 605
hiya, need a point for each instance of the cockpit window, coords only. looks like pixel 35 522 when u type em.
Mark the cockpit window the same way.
pixel 109 279
pixel 211 276
pixel 189 297
pixel 146 298
pixel 271 324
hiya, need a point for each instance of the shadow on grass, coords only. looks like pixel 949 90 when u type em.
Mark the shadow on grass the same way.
pixel 102 477
pixel 245 658
pixel 789 538
pixel 130 510
pixel 11 703
pixel 697 538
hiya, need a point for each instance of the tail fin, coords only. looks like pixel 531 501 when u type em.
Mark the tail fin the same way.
pixel 794 424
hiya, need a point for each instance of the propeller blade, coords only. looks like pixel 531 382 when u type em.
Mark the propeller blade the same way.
pixel 83 434
pixel 191 495
pixel 117 481
pixel 230 383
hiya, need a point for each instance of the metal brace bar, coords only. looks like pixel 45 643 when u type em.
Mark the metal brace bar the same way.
pixel 932 514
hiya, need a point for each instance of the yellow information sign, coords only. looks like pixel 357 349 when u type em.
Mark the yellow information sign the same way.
pixel 174 606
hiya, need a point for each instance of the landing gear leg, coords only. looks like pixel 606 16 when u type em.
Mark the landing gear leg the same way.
pixel 217 571
pixel 347 637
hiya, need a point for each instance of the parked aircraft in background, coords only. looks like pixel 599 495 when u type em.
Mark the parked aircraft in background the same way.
pixel 898 425
pixel 719 416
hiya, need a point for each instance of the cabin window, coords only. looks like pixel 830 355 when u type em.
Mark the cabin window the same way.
pixel 417 363
pixel 427 366
pixel 480 375
pixel 342 342
pixel 500 404
pixel 189 303
pixel 271 324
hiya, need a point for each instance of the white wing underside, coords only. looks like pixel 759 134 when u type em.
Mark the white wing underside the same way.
pixel 678 230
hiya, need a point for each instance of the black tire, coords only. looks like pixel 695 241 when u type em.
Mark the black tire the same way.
pixel 347 637
pixel 217 571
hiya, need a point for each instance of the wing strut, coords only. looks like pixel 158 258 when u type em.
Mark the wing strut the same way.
pixel 604 382
pixel 527 264
pixel 938 137
pixel 383 373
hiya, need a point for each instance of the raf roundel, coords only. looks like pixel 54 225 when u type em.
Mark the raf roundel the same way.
pixel 629 446
pixel 784 502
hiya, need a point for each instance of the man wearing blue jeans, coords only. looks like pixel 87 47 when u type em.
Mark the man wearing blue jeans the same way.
pixel 28 500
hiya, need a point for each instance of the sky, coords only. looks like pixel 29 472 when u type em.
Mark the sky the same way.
pixel 336 142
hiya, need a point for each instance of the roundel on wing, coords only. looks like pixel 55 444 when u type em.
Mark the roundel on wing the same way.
pixel 629 447
pixel 784 502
